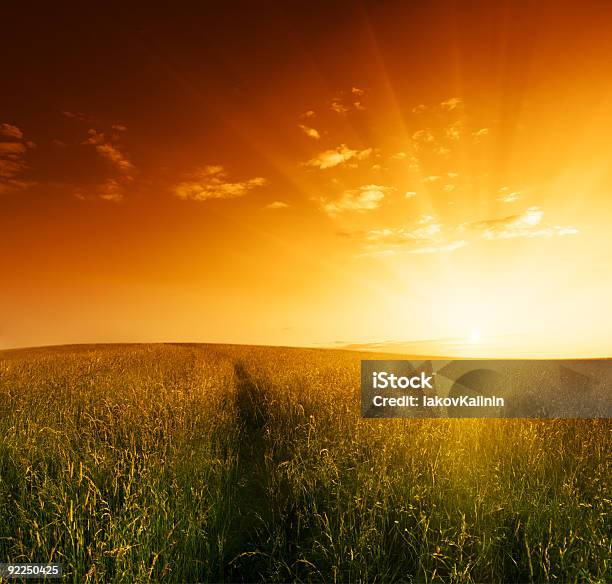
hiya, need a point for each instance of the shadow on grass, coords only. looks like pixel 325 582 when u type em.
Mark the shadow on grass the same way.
pixel 246 552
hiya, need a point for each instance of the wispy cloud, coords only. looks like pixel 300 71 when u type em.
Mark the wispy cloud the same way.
pixel 106 149
pixel 277 205
pixel 365 198
pixel 338 107
pixel 452 104
pixel 506 195
pixel 107 146
pixel 310 132
pixel 112 189
pixel 81 117
pixel 409 159
pixel 13 152
pixel 12 149
pixel 442 127
pixel 10 131
pixel 527 224
pixel 337 156
pixel 440 248
pixel 478 135
pixel 454 131
pixel 423 136
pixel 348 101
pixel 211 182
pixel 425 235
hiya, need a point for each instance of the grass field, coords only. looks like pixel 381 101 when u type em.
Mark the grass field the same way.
pixel 185 463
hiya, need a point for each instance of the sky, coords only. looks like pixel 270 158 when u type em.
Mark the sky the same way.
pixel 428 176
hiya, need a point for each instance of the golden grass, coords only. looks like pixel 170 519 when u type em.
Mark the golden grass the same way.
pixel 189 463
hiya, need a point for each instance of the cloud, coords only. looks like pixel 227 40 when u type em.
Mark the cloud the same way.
pixel 111 190
pixel 338 107
pixel 412 161
pixel 423 136
pixel 9 168
pixel 527 224
pixel 76 116
pixel 13 152
pixel 347 102
pixel 113 154
pixel 365 198
pixel 79 116
pixel 452 104
pixel 277 205
pixel 425 219
pixel 11 131
pixel 444 125
pixel 109 151
pixel 454 131
pixel 425 235
pixel 416 240
pixel 478 134
pixel 410 194
pixel 12 149
pixel 337 156
pixel 508 196
pixel 310 132
pixel 211 183
pixel 442 248
pixel 308 114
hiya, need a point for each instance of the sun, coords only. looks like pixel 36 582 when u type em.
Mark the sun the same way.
pixel 475 336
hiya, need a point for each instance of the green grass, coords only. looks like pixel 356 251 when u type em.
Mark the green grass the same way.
pixel 185 463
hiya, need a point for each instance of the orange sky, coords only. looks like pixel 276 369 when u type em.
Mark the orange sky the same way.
pixel 431 173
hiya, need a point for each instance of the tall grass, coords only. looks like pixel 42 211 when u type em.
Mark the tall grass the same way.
pixel 219 463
